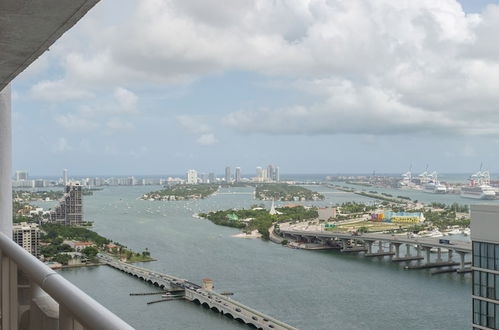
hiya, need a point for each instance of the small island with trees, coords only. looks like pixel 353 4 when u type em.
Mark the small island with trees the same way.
pixel 182 192
pixel 45 195
pixel 286 192
pixel 258 218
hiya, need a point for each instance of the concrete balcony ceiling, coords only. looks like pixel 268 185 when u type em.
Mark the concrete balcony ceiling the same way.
pixel 29 27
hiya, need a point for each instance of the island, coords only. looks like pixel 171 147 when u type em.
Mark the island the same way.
pixel 286 192
pixel 182 192
pixel 258 218
pixel 45 195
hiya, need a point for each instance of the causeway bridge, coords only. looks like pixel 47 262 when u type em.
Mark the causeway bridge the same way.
pixel 351 242
pixel 199 295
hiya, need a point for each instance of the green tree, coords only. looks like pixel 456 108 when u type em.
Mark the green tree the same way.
pixel 90 252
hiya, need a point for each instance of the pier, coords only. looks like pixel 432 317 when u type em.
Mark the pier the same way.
pixel 195 293
pixel 388 245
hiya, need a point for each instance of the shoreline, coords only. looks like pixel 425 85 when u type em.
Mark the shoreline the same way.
pixel 253 235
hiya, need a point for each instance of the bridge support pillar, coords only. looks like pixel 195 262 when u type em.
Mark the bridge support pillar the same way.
pixel 397 249
pixel 369 246
pixel 428 255
pixel 418 250
pixel 461 259
pixel 449 255
pixel 439 255
pixel 407 250
pixel 380 246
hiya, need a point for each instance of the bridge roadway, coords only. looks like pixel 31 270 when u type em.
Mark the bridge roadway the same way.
pixel 195 293
pixel 456 245
pixel 330 238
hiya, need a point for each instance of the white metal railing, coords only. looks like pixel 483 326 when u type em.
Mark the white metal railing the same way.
pixel 33 296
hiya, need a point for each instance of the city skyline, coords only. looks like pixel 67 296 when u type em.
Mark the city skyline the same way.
pixel 337 116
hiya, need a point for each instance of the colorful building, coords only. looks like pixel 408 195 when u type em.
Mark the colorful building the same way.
pixel 398 217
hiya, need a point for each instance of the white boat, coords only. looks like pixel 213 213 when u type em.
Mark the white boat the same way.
pixel 455 232
pixel 466 232
pixel 435 233
pixel 431 183
pixel 479 187
pixel 478 192
pixel 435 188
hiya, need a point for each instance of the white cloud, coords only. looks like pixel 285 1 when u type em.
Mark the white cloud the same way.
pixel 127 100
pixel 197 125
pixel 194 124
pixel 61 146
pixel 76 122
pixel 207 139
pixel 116 124
pixel 59 91
pixel 375 67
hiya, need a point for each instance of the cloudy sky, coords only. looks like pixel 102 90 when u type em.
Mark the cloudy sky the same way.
pixel 314 86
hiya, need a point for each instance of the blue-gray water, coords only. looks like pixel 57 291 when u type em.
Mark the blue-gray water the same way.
pixel 308 289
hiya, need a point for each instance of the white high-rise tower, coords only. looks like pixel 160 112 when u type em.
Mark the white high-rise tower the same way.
pixel 65 176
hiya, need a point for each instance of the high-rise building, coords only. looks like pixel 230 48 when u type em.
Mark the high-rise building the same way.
pixel 277 175
pixel 65 176
pixel 192 177
pixel 21 175
pixel 211 178
pixel 270 172
pixel 27 236
pixel 40 183
pixel 485 266
pixel 237 175
pixel 69 212
pixel 228 177
pixel 259 172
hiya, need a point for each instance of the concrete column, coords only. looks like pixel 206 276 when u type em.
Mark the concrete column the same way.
pixel 418 250
pixel 450 255
pixel 5 163
pixel 9 294
pixel 461 259
pixel 380 246
pixel 369 246
pixel 428 254
pixel 397 250
pixel 439 255
pixel 407 250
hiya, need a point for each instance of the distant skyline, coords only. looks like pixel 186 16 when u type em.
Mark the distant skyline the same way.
pixel 147 87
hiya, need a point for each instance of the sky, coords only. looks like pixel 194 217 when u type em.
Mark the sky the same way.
pixel 156 87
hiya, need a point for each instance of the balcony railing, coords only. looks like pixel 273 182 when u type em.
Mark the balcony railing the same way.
pixel 33 296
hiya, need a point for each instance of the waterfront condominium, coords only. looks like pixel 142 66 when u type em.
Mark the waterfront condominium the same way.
pixel 485 238
pixel 69 212
pixel 237 175
pixel 192 177
pixel 27 235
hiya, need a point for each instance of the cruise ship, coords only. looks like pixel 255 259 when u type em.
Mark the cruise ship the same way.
pixel 432 185
pixel 435 188
pixel 479 187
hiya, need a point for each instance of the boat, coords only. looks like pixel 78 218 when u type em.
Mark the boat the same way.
pixel 455 231
pixel 435 188
pixel 432 184
pixel 479 187
pixel 434 233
